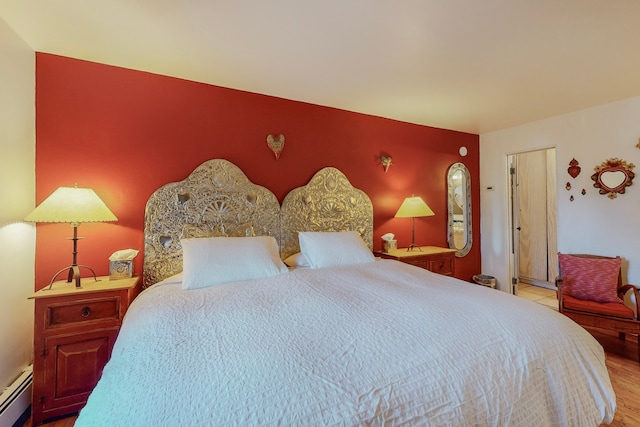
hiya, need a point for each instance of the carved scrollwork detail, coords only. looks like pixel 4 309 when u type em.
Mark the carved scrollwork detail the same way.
pixel 327 203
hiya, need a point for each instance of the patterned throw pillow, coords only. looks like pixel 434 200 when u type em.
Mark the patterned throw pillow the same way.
pixel 592 279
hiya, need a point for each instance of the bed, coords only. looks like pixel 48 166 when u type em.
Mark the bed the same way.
pixel 225 334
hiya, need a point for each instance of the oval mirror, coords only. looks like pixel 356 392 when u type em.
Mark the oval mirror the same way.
pixel 459 209
pixel 613 176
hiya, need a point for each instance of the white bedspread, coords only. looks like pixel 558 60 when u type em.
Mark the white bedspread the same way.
pixel 377 344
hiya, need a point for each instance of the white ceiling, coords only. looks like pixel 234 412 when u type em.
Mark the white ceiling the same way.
pixel 468 65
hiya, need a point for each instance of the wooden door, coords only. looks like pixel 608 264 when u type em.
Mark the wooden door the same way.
pixel 536 217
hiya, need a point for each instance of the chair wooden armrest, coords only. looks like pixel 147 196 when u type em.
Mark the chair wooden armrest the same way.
pixel 559 292
pixel 622 291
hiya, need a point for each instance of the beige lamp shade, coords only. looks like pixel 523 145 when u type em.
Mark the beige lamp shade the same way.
pixel 413 207
pixel 72 205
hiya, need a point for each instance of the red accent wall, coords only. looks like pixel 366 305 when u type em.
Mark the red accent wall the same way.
pixel 125 133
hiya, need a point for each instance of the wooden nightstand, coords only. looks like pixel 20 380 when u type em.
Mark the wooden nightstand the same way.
pixel 432 258
pixel 74 333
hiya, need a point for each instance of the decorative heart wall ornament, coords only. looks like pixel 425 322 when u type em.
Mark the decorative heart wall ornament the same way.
pixel 574 169
pixel 386 162
pixel 613 176
pixel 276 144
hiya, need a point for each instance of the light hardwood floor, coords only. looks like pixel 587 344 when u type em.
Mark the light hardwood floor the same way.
pixel 622 363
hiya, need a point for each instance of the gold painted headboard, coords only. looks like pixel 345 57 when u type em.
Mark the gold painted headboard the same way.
pixel 327 203
pixel 217 199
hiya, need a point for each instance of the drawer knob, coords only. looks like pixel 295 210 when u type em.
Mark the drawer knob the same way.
pixel 86 311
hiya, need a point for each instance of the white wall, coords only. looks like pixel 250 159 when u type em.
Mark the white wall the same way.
pixel 592 223
pixel 17 197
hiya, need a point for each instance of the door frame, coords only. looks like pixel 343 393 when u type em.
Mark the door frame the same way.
pixel 513 218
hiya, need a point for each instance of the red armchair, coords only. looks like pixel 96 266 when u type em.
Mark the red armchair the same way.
pixel 590 291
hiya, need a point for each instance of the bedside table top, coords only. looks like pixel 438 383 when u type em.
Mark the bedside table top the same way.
pixel 62 287
pixel 424 250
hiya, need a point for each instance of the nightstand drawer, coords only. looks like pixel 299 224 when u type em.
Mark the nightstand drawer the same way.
pixel 418 263
pixel 83 311
pixel 432 258
pixel 441 266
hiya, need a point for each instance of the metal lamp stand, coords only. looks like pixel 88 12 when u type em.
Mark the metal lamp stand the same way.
pixel 413 245
pixel 74 268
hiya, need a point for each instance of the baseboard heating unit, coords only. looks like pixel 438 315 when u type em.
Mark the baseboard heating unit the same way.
pixel 16 398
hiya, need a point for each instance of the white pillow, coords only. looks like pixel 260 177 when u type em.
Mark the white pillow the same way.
pixel 328 249
pixel 297 260
pixel 217 260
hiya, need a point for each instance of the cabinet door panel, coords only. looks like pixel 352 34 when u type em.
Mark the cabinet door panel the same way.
pixel 73 366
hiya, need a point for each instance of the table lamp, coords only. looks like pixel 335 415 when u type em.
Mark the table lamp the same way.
pixel 413 207
pixel 75 206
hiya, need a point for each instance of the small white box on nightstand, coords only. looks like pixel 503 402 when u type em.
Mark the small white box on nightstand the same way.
pixel 389 245
pixel 121 264
pixel 120 269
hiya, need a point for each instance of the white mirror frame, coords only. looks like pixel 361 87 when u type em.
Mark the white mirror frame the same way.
pixel 457 220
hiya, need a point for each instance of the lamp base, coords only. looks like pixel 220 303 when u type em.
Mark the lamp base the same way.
pixel 74 273
pixel 413 245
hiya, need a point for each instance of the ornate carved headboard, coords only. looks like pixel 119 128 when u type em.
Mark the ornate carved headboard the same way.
pixel 327 203
pixel 217 199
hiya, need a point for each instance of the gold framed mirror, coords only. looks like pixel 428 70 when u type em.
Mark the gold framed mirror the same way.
pixel 613 176
pixel 459 209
